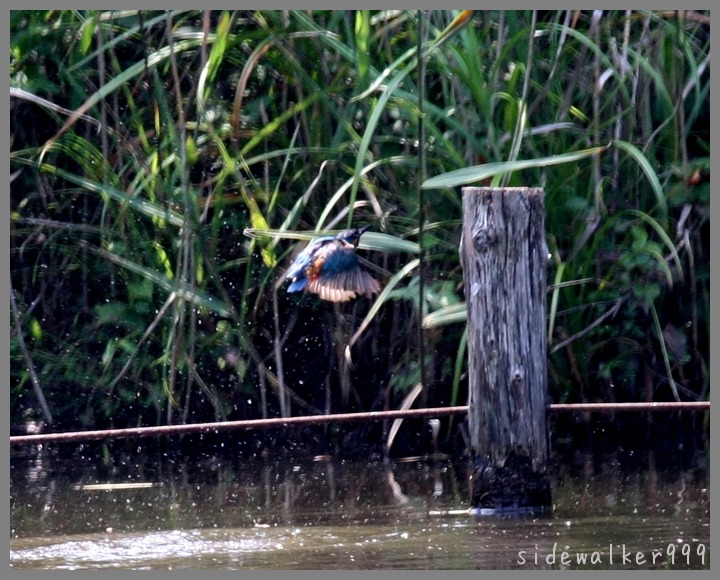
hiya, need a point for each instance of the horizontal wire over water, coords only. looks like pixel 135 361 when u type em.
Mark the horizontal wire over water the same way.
pixel 279 422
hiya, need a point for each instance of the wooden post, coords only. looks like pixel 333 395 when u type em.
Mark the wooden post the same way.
pixel 504 257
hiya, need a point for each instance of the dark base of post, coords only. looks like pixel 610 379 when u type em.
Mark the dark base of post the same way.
pixel 509 486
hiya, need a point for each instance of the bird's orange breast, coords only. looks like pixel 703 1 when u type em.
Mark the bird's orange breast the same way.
pixel 314 269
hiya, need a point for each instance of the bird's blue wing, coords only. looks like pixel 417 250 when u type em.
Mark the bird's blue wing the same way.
pixel 329 268
pixel 341 277
pixel 296 272
pixel 339 259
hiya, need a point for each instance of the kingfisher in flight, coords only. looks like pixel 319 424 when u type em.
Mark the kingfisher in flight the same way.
pixel 329 268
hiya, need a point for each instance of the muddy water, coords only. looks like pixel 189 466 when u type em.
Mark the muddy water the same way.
pixel 325 513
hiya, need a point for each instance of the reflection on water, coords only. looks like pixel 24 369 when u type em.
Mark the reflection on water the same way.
pixel 326 513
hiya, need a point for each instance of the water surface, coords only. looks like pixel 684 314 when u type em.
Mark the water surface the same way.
pixel 327 513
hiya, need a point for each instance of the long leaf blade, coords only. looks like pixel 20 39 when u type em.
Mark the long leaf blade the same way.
pixel 480 172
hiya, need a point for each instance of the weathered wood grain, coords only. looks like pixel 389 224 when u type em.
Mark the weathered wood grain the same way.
pixel 504 257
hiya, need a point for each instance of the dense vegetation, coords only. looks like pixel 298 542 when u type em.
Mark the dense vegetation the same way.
pixel 145 143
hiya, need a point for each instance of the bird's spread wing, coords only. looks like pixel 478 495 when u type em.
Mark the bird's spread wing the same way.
pixel 329 268
pixel 341 278
pixel 344 287
pixel 330 294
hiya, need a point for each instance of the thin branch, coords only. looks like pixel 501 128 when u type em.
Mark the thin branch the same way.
pixel 612 312
pixel 28 360
pixel 277 342
pixel 148 332
pixel 23 94
pixel 421 177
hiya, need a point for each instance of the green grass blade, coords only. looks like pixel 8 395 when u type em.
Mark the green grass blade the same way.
pixel 448 315
pixel 554 300
pixel 119 81
pixel 649 172
pixel 400 160
pixel 663 348
pixel 662 234
pixel 362 45
pixel 140 205
pixel 481 172
pixel 379 301
pixel 457 371
pixel 369 241
pixel 370 131
pixel 193 295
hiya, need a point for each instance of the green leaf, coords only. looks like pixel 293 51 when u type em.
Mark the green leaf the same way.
pixel 457 371
pixel 662 234
pixel 369 241
pixel 648 293
pixel 36 329
pixel 362 37
pixel 109 353
pixel 86 38
pixel 386 243
pixel 110 313
pixel 141 205
pixel 122 80
pixel 448 315
pixel 647 168
pixel 481 172
pixel 370 130
pixel 189 293
pixel 275 124
pixel 379 301
pixel 214 61
pixel 338 195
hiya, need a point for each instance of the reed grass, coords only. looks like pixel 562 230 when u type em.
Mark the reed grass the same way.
pixel 226 137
